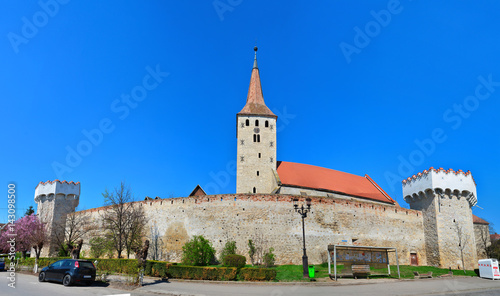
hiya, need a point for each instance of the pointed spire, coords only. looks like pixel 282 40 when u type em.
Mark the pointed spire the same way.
pixel 255 59
pixel 255 99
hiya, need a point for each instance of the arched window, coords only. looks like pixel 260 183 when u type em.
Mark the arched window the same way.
pixel 267 123
pixel 254 190
pixel 256 122
pixel 254 137
pixel 258 138
pixel 247 122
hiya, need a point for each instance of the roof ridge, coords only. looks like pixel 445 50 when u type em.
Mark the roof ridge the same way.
pixel 379 188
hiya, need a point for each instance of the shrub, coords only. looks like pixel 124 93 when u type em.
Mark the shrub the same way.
pixel 198 251
pixel 229 249
pixel 234 260
pixel 269 258
pixel 156 268
pixel 257 274
pixel 251 251
pixel 99 246
pixel 202 273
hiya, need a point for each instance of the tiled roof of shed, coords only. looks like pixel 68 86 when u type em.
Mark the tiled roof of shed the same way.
pixel 477 220
pixel 314 177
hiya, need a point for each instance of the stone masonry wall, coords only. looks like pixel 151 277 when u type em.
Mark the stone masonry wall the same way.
pixel 482 235
pixel 270 221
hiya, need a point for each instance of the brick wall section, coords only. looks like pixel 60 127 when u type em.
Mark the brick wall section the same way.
pixel 271 220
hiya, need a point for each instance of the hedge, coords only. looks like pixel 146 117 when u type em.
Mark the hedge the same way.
pixel 166 269
pixel 257 274
pixel 202 273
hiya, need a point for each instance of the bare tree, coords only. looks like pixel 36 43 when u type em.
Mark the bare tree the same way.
pixel 72 229
pixel 484 240
pixel 156 243
pixel 135 231
pixel 123 221
pixel 462 238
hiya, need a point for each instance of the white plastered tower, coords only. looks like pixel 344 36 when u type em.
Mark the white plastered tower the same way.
pixel 256 134
pixel 55 200
pixel 446 198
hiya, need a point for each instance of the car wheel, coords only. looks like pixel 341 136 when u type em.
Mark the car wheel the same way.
pixel 67 280
pixel 41 276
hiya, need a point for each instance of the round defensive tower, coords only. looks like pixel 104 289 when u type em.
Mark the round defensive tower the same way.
pixel 55 200
pixel 446 198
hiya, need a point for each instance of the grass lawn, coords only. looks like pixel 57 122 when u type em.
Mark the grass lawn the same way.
pixel 288 273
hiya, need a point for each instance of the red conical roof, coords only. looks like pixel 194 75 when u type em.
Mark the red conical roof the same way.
pixel 255 99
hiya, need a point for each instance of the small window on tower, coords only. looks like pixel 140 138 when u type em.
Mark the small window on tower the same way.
pixel 271 144
pixel 267 123
pixel 271 159
pixel 256 123
pixel 259 155
pixel 255 138
pixel 258 138
pixel 242 142
pixel 247 122
pixel 257 173
pixel 254 190
pixel 242 124
pixel 242 158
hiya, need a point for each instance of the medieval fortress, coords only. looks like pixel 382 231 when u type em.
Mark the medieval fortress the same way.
pixel 346 209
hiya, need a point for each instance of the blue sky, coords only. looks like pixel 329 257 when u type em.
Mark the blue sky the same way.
pixel 356 85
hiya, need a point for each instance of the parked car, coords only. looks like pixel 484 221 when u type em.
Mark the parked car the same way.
pixel 2 264
pixel 68 272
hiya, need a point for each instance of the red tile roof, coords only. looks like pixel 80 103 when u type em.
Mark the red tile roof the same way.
pixel 313 177
pixel 450 170
pixel 494 237
pixel 255 99
pixel 57 180
pixel 477 220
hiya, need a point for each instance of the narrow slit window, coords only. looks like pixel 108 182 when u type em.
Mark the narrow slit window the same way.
pixel 247 122
pixel 259 155
pixel 256 122
pixel 254 190
pixel 267 123
pixel 257 173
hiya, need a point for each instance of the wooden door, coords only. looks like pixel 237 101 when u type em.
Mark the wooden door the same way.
pixel 413 259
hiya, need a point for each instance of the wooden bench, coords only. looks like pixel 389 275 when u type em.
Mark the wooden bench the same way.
pixel 422 275
pixel 360 270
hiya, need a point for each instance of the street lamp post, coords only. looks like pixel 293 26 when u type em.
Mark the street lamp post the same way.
pixel 303 212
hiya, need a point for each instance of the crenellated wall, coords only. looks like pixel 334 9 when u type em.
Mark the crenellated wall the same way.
pixel 270 221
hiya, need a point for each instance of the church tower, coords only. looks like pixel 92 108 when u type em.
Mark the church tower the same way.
pixel 256 134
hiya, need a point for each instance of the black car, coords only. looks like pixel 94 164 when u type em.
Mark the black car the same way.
pixel 69 271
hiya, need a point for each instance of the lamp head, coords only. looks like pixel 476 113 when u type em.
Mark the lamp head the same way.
pixel 295 203
pixel 308 202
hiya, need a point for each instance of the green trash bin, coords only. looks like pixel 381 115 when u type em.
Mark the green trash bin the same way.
pixel 311 271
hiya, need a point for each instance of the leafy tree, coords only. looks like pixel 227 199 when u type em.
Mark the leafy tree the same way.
pixel 71 230
pixel 99 246
pixel 123 221
pixel 269 258
pixel 29 211
pixel 229 249
pixel 198 252
pixel 251 251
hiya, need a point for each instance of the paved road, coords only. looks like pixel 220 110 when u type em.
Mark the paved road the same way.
pixel 27 285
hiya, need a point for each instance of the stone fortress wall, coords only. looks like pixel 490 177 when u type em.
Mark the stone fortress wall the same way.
pixel 269 220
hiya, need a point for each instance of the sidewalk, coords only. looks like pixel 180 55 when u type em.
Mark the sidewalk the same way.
pixel 439 286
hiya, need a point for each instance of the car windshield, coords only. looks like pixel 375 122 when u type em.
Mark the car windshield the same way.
pixel 86 264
